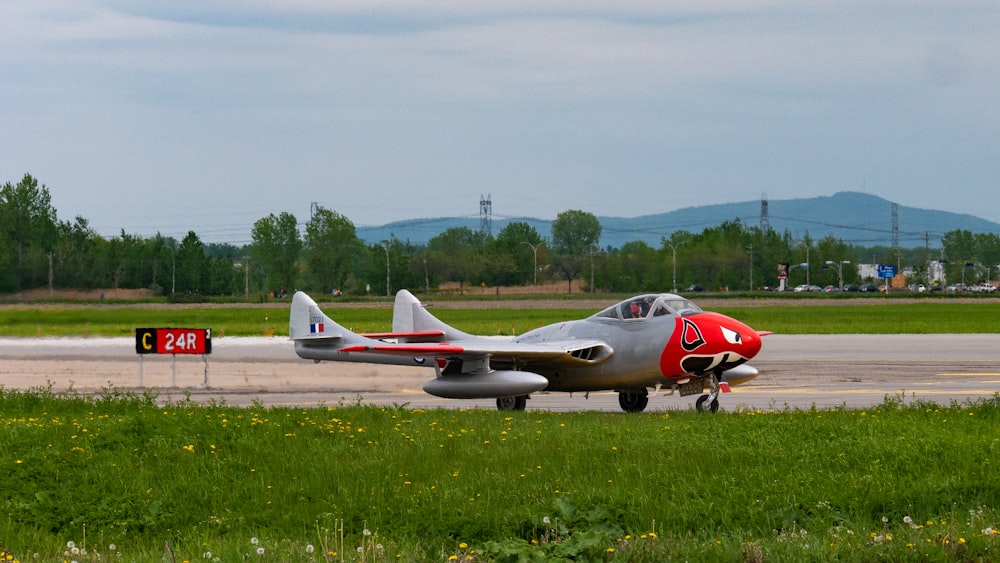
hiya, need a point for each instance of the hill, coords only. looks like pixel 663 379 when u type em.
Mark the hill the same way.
pixel 856 218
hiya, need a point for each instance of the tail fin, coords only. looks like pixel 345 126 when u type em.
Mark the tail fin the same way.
pixel 307 321
pixel 409 315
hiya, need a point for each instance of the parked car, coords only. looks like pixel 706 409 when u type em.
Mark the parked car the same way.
pixel 804 287
pixel 868 288
pixel 694 288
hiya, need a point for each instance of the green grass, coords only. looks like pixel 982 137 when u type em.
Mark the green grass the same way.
pixel 178 481
pixel 888 316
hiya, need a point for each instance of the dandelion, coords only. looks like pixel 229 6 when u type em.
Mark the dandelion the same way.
pixel 207 555
pixel 260 551
pixel 907 520
pixel 463 545
pixel 310 548
pixel 254 540
pixel 112 547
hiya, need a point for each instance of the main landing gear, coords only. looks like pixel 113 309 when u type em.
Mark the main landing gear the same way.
pixel 512 403
pixel 633 400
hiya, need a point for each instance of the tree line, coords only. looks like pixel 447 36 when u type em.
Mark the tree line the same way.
pixel 37 249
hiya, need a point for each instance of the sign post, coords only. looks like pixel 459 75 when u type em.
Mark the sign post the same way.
pixel 173 341
pixel 887 272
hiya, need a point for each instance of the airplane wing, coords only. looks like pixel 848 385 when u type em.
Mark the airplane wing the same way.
pixel 464 362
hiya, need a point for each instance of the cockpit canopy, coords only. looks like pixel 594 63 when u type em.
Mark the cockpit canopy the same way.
pixel 648 306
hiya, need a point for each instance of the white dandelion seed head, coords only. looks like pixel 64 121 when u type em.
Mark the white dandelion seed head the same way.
pixel 361 549
pixel 206 555
pixel 74 550
pixel 885 519
pixel 112 547
pixel 310 548
pixel 254 540
pixel 260 551
pixel 546 521
pixel 907 520
pixel 367 532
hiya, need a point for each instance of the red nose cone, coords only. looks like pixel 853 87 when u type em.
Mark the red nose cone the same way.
pixel 708 341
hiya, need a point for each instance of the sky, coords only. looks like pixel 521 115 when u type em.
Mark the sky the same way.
pixel 168 117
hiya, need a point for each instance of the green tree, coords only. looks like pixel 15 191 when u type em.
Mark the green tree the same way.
pixel 575 235
pixel 526 249
pixel 192 266
pixel 959 250
pixel 276 248
pixel 333 251
pixel 454 255
pixel 160 251
pixel 29 224
pixel 75 253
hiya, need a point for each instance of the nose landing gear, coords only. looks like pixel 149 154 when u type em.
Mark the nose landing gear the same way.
pixel 710 401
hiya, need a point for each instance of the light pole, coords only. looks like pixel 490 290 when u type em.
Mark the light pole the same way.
pixel 806 266
pixel 673 250
pixel 387 290
pixel 751 266
pixel 840 271
pixel 534 252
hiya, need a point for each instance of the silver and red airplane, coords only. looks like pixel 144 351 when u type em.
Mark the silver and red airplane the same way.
pixel 662 342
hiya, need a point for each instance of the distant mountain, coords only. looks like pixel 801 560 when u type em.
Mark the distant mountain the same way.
pixel 854 217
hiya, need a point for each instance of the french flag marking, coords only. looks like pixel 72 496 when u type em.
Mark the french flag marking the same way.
pixel 315 328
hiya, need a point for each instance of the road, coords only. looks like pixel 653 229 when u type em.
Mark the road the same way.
pixel 797 372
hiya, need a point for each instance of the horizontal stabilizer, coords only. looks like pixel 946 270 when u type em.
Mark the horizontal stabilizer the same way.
pixel 436 350
pixel 411 337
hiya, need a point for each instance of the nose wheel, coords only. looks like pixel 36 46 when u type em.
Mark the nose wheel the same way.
pixel 710 401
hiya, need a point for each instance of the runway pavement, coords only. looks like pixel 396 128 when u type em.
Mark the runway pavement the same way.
pixel 797 372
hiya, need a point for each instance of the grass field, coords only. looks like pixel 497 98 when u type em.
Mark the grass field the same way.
pixel 186 483
pixel 118 478
pixel 880 317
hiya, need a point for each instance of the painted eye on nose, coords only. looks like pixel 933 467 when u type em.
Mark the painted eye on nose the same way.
pixel 732 336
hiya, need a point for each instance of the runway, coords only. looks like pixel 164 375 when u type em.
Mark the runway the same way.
pixel 797 372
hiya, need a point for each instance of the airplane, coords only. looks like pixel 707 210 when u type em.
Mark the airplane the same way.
pixel 659 341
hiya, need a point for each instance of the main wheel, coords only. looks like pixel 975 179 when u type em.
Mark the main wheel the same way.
pixel 633 400
pixel 700 405
pixel 512 403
